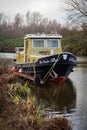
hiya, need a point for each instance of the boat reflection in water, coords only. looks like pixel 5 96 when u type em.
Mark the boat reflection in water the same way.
pixel 57 98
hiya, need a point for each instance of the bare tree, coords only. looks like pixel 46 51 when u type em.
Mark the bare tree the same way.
pixel 28 18
pixel 44 22
pixel 18 20
pixel 3 18
pixel 36 18
pixel 77 10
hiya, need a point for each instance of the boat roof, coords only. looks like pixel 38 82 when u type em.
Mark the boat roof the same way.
pixel 43 36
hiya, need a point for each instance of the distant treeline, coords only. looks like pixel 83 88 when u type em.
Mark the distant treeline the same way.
pixel 12 32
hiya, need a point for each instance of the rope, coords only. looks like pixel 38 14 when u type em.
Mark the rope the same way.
pixel 47 75
pixel 34 69
pixel 28 69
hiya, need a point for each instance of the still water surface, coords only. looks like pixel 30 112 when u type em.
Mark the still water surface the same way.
pixel 8 55
pixel 68 99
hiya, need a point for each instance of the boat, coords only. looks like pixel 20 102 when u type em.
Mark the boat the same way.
pixel 42 59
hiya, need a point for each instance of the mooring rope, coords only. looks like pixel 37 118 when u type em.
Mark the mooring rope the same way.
pixel 47 75
pixel 34 69
pixel 28 69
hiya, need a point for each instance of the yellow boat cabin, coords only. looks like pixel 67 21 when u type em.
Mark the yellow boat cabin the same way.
pixel 37 46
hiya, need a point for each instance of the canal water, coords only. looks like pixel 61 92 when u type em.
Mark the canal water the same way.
pixel 79 80
pixel 67 99
pixel 8 55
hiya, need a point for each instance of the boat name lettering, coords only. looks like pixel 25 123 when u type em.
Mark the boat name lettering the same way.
pixel 53 60
pixel 47 61
pixel 72 59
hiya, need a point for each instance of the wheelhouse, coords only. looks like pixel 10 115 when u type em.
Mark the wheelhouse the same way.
pixel 37 46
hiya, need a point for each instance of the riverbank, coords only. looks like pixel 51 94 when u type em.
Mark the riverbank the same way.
pixel 81 62
pixel 18 109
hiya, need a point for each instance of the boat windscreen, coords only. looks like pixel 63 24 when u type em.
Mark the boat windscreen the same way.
pixel 52 43
pixel 38 43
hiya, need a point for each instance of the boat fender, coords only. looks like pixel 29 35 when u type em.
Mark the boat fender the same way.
pixel 14 69
pixel 20 70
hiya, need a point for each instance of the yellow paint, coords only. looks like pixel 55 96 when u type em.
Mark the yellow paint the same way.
pixel 33 54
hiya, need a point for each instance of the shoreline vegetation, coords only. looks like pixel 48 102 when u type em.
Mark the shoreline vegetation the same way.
pixel 18 109
pixel 81 62
pixel 70 43
pixel 12 33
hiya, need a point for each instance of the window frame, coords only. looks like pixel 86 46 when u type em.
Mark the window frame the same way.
pixel 37 40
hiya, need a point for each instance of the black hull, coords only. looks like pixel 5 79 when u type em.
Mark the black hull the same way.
pixel 51 67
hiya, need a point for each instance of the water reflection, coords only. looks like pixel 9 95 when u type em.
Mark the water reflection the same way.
pixel 57 97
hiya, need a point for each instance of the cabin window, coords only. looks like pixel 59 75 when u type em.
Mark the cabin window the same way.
pixel 52 43
pixel 38 43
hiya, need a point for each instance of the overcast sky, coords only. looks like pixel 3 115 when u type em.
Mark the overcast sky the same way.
pixel 53 9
